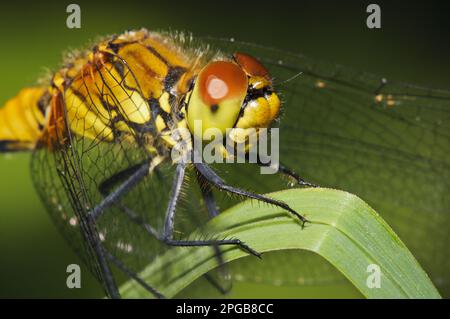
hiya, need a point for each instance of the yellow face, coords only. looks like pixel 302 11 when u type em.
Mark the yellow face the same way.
pixel 233 94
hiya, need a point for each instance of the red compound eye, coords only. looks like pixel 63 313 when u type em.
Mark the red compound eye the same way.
pixel 251 65
pixel 222 80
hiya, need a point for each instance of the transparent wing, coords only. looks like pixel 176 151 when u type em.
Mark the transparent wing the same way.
pixel 387 142
pixel 73 174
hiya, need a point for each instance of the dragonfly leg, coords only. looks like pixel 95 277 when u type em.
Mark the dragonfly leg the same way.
pixel 108 201
pixel 218 182
pixel 215 242
pixel 217 285
pixel 210 203
pixel 119 264
pixel 123 188
pixel 167 236
pixel 105 188
pixel 288 172
pixel 208 197
pixel 135 175
pixel 108 184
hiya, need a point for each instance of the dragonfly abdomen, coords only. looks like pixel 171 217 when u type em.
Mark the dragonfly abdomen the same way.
pixel 22 119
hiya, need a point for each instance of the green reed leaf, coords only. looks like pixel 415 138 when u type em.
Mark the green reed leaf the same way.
pixel 344 230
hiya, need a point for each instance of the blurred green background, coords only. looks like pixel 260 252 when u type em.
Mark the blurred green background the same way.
pixel 412 45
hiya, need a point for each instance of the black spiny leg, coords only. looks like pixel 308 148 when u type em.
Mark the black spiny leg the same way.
pixel 118 178
pixel 288 172
pixel 170 217
pixel 208 198
pixel 108 184
pixel 215 180
pixel 92 216
pixel 113 197
pixel 119 264
pixel 105 188
pixel 210 203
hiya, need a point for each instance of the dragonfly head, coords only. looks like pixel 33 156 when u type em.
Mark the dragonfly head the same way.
pixel 232 94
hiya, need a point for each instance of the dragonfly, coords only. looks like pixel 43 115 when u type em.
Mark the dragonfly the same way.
pixel 98 133
pixel 102 134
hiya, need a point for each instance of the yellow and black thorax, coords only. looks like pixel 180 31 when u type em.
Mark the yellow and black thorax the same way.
pixel 125 85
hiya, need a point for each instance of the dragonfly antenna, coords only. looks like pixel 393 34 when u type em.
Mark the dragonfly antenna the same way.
pixel 292 78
